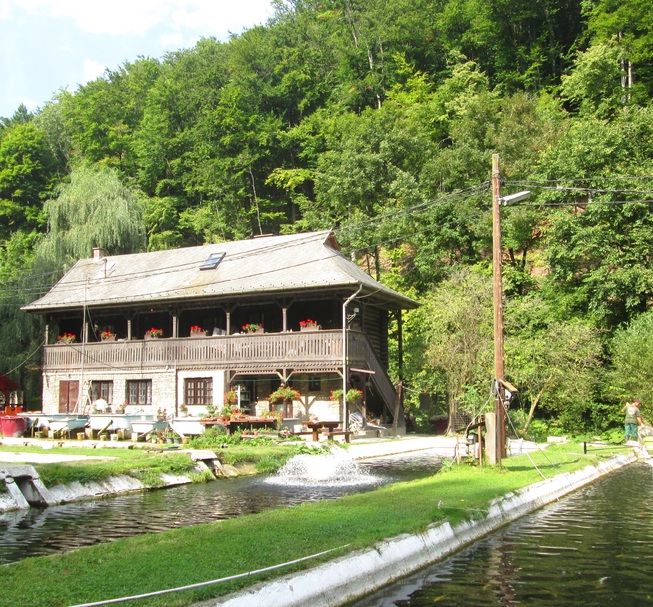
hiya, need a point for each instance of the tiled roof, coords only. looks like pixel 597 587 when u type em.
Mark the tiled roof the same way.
pixel 271 264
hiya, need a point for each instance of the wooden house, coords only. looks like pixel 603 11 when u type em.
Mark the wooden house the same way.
pixel 170 330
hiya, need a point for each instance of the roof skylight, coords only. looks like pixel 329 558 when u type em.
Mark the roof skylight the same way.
pixel 212 262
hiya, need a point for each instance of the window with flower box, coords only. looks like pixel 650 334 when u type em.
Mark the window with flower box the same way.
pixel 139 392
pixel 198 391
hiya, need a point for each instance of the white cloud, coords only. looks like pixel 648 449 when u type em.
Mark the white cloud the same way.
pixel 5 9
pixel 129 17
pixel 48 45
pixel 92 70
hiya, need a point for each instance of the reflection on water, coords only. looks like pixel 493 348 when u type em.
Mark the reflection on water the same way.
pixel 593 548
pixel 46 531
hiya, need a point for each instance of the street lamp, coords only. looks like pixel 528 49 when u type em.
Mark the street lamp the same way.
pixel 497 202
pixel 518 197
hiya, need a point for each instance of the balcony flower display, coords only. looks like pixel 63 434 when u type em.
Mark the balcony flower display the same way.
pixel 154 333
pixel 308 325
pixel 283 394
pixel 197 331
pixel 67 338
pixel 252 327
pixel 108 336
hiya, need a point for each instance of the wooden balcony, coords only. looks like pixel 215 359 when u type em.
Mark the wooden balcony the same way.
pixel 303 351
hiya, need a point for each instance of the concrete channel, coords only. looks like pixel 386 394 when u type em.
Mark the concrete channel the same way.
pixel 352 577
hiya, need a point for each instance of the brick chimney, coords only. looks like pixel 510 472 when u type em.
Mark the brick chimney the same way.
pixel 98 253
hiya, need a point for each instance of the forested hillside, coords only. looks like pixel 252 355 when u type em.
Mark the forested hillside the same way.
pixel 379 120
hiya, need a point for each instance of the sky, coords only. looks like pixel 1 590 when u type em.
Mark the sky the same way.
pixel 50 45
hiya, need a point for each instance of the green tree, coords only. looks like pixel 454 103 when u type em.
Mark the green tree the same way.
pixel 28 171
pixel 93 210
pixel 597 243
pixel 629 25
pixel 554 363
pixel 460 341
pixel 594 84
pixel 632 350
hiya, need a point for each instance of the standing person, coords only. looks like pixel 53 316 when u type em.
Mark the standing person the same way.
pixel 633 419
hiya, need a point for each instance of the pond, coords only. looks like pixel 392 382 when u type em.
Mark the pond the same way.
pixel 61 528
pixel 592 548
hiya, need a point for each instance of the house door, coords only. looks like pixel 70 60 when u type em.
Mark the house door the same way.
pixel 68 395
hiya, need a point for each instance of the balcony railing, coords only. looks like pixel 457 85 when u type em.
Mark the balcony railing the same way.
pixel 310 349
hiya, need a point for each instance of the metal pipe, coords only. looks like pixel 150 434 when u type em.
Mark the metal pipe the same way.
pixel 344 354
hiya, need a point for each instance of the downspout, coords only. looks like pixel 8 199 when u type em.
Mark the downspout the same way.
pixel 344 355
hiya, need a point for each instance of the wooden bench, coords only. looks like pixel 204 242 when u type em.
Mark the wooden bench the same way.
pixel 331 433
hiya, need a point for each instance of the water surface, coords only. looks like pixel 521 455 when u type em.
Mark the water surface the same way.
pixel 38 531
pixel 593 548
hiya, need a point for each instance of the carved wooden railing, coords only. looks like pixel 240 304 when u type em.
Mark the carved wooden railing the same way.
pixel 310 349
pixel 302 351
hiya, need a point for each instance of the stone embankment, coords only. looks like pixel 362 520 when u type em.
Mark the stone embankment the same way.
pixel 25 488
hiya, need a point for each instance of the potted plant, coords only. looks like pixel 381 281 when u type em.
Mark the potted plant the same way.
pixel 231 398
pixel 253 327
pixel 284 395
pixel 308 325
pixel 120 409
pixel 67 338
pixel 197 331
pixel 161 414
pixel 108 336
pixel 353 396
pixel 183 411
pixel 153 333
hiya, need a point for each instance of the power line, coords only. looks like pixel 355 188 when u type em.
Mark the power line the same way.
pixel 413 211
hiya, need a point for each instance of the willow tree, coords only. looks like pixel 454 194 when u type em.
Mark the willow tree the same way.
pixel 93 209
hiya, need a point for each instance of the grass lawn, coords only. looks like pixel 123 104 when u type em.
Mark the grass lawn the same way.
pixel 180 557
pixel 147 465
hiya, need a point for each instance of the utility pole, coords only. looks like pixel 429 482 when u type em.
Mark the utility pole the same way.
pixel 500 422
pixel 499 382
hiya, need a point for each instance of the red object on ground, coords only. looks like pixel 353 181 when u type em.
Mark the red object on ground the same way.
pixel 12 426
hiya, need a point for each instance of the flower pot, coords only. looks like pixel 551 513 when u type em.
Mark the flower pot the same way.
pixel 198 334
pixel 310 328
pixel 151 336
pixel 110 338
